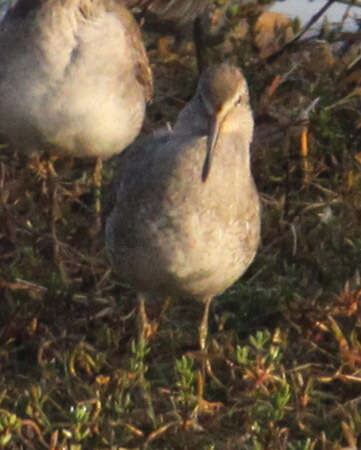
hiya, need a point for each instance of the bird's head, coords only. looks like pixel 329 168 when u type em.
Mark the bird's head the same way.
pixel 221 89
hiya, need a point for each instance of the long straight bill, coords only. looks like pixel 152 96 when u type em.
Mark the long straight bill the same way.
pixel 214 125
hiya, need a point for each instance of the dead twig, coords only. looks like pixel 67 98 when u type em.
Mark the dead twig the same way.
pixel 298 36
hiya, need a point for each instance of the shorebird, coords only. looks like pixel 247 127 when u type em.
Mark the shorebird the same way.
pixel 176 10
pixel 74 77
pixel 186 222
pixel 181 12
pixel 172 9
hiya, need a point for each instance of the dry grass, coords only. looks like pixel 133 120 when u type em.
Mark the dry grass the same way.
pixel 285 340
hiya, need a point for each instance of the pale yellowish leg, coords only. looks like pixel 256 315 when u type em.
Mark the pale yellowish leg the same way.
pixel 204 405
pixel 97 180
pixel 143 322
pixel 203 331
pixel 147 329
pixel 203 327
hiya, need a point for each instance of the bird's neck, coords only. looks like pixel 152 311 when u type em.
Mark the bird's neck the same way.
pixel 192 120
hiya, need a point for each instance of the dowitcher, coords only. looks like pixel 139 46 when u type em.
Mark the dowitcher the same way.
pixel 186 222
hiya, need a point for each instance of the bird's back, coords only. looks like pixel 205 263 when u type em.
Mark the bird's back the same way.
pixel 179 10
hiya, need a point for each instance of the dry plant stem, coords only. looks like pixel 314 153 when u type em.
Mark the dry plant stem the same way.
pixel 161 430
pixel 162 46
pixel 210 373
pixel 308 25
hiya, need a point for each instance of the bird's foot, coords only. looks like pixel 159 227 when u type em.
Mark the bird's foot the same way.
pixel 206 407
pixel 150 329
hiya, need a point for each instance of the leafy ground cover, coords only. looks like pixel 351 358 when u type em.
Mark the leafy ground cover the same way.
pixel 284 344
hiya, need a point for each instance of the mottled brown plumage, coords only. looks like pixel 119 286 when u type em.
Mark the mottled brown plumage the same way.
pixel 179 10
pixel 187 218
pixel 74 76
pixel 179 14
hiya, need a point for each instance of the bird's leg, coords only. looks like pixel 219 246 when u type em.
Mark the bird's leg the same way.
pixel 97 181
pixel 147 329
pixel 50 186
pixel 142 317
pixel 203 327
pixel 203 331
pixel 51 168
pixel 204 405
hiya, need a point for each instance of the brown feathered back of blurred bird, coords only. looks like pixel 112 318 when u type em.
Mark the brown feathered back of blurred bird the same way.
pixel 175 10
